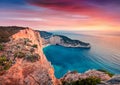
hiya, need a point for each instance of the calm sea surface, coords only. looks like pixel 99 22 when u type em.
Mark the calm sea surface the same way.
pixel 104 54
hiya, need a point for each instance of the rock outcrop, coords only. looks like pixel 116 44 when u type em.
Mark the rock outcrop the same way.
pixel 115 80
pixel 23 47
pixel 75 76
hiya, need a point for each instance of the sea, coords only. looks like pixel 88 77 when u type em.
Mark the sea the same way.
pixel 104 53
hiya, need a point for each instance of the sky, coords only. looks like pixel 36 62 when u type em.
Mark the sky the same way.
pixel 61 14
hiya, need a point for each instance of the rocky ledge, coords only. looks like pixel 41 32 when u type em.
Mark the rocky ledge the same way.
pixel 90 77
pixel 52 39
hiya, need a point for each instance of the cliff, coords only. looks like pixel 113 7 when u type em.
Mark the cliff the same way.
pixel 52 39
pixel 22 61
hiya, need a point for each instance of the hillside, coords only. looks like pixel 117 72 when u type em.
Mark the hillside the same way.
pixel 49 38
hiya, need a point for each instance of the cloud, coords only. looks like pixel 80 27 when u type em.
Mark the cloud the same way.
pixel 63 5
pixel 74 5
pixel 105 2
pixel 97 9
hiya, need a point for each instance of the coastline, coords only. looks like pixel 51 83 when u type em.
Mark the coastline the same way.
pixel 44 46
pixel 81 47
pixel 61 40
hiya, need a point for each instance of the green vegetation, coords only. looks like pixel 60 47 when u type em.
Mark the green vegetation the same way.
pixel 32 58
pixel 106 72
pixel 34 46
pixel 26 40
pixel 1 47
pixel 28 57
pixel 5 63
pixel 87 81
pixel 19 55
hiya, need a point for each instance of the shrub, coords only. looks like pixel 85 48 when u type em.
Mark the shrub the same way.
pixel 34 46
pixel 87 81
pixel 19 55
pixel 5 63
pixel 26 40
pixel 2 59
pixel 8 65
pixel 90 81
pixel 106 72
pixel 32 50
pixel 32 58
pixel 1 47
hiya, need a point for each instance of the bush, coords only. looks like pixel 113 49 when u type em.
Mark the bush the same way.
pixel 32 58
pixel 26 40
pixel 2 59
pixel 34 46
pixel 19 55
pixel 1 47
pixel 106 72
pixel 87 81
pixel 32 50
pixel 5 63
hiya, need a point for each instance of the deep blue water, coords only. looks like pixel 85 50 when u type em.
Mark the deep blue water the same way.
pixel 104 54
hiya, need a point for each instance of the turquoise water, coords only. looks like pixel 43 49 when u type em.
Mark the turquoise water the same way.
pixel 104 54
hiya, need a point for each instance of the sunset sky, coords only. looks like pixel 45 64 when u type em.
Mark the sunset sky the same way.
pixel 61 14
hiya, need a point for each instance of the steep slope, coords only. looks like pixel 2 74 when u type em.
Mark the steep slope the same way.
pixel 23 48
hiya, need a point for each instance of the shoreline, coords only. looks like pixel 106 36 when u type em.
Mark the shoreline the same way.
pixel 81 47
pixel 44 46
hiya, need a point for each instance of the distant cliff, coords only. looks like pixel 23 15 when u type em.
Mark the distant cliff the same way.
pixel 49 38
pixel 22 61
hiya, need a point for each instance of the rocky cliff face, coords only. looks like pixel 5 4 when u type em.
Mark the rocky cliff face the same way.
pixel 74 76
pixel 29 66
pixel 115 80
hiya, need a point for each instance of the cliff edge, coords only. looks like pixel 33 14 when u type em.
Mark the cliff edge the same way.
pixel 22 61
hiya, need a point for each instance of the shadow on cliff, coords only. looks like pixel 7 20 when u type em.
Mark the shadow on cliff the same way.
pixel 6 32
